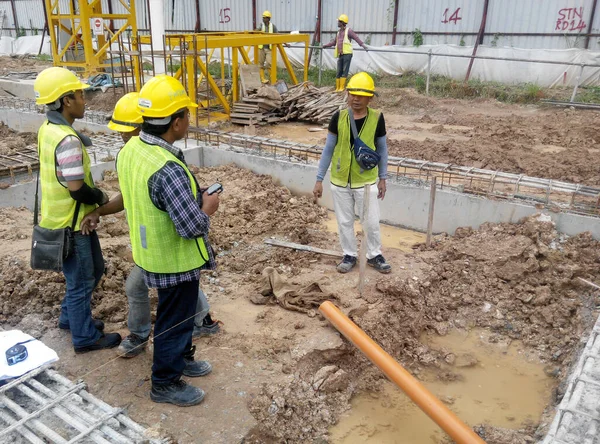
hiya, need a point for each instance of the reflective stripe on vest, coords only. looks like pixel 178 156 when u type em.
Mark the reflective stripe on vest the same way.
pixel 347 46
pixel 156 245
pixel 263 29
pixel 344 168
pixel 57 204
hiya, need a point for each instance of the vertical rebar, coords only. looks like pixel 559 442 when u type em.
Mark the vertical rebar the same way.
pixel 165 51
pixel 196 78
pixel 429 56
pixel 320 65
pixel 206 78
pixel 577 82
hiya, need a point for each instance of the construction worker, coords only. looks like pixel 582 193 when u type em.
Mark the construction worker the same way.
pixel 127 120
pixel 348 178
pixel 264 53
pixel 343 50
pixel 168 221
pixel 68 193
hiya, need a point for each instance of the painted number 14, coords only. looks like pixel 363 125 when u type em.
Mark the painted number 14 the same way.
pixel 453 18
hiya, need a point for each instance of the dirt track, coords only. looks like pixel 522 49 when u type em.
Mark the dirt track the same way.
pixel 517 281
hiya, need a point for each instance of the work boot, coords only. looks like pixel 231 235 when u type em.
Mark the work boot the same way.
pixel 208 327
pixel 193 369
pixel 342 84
pixel 263 79
pixel 179 393
pixel 108 340
pixel 379 264
pixel 132 346
pixel 97 323
pixel 347 264
pixel 337 84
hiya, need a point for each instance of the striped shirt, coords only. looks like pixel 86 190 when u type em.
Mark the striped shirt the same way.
pixel 339 39
pixel 69 160
pixel 170 191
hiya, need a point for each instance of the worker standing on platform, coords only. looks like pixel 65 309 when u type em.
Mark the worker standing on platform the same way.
pixel 168 218
pixel 352 169
pixel 68 193
pixel 127 120
pixel 343 51
pixel 264 54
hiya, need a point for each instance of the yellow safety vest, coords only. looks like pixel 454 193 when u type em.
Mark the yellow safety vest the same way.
pixel 347 46
pixel 270 31
pixel 58 207
pixel 344 167
pixel 156 245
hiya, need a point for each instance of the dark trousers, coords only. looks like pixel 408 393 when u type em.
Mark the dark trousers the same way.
pixel 83 271
pixel 343 65
pixel 173 330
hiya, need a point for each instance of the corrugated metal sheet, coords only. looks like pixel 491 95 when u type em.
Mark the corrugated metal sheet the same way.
pixel 365 18
pixel 232 15
pixel 289 15
pixel 449 20
pixel 9 23
pixel 518 16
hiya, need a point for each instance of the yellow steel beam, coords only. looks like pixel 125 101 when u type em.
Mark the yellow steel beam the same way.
pixel 287 63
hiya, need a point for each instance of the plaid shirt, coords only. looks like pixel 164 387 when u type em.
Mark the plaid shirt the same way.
pixel 170 191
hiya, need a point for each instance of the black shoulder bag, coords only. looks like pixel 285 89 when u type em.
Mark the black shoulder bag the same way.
pixel 49 248
pixel 366 157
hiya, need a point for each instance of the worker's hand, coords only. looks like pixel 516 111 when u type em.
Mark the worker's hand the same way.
pixel 210 203
pixel 318 190
pixel 89 223
pixel 382 189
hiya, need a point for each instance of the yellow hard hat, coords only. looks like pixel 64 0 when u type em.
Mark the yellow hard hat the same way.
pixel 126 116
pixel 343 18
pixel 163 96
pixel 267 14
pixel 53 83
pixel 361 84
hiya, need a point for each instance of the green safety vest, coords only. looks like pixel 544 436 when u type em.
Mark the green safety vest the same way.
pixel 156 245
pixel 344 167
pixel 58 207
pixel 270 31
pixel 347 46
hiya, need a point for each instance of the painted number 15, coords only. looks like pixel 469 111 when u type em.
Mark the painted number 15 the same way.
pixel 224 16
pixel 453 18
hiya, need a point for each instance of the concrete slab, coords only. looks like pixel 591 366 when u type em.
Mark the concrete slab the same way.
pixel 18 88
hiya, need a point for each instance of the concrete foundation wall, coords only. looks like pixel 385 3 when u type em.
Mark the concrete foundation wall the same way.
pixel 404 205
pixel 30 122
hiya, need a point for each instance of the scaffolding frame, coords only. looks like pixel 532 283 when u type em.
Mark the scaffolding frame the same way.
pixel 80 15
pixel 196 50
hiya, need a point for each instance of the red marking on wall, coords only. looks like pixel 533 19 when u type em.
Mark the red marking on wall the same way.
pixel 453 18
pixel 570 19
pixel 224 16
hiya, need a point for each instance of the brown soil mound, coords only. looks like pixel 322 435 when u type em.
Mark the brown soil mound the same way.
pixel 519 281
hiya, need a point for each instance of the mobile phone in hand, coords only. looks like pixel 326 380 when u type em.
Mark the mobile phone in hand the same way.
pixel 214 188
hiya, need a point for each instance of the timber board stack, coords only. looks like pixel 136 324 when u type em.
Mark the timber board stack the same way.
pixel 303 102
pixel 308 103
pixel 255 111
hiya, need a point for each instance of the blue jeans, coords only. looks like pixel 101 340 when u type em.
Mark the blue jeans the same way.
pixel 83 271
pixel 138 319
pixel 343 65
pixel 173 331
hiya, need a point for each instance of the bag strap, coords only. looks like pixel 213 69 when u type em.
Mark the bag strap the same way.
pixel 352 124
pixel 36 204
pixel 77 206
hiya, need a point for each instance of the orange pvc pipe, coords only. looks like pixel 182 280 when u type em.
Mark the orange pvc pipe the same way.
pixel 433 407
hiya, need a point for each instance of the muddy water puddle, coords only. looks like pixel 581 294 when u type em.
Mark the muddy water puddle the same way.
pixel 494 383
pixel 391 237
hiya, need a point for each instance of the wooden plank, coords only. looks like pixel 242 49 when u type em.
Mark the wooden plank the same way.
pixel 295 246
